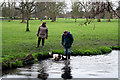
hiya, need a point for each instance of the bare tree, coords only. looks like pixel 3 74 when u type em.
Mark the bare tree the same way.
pixel 97 11
pixel 28 15
pixel 87 7
pixel 40 10
pixel 22 9
pixel 118 10
pixel 30 6
pixel 75 9
pixel 54 8
pixel 4 9
pixel 8 9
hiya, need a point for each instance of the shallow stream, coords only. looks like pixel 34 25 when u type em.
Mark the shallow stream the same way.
pixel 101 66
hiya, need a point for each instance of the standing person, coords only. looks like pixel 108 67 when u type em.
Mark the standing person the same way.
pixel 42 33
pixel 67 40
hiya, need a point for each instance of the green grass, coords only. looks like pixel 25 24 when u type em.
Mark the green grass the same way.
pixel 15 41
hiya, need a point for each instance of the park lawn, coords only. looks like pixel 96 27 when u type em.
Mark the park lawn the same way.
pixel 15 40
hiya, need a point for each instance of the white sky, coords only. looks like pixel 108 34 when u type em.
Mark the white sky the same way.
pixel 61 0
pixel 115 2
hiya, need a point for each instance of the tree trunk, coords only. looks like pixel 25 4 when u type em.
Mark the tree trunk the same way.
pixel 109 20
pixel 109 17
pixel 23 18
pixel 75 18
pixel 13 15
pixel 23 13
pixel 9 18
pixel 9 11
pixel 53 19
pixel 27 17
pixel 98 18
pixel 27 24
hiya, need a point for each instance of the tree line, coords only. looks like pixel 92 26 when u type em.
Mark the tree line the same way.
pixel 33 9
pixel 26 9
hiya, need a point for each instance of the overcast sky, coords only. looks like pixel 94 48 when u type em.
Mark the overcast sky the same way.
pixel 115 2
pixel 62 0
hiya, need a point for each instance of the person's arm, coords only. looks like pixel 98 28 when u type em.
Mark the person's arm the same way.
pixel 38 31
pixel 62 39
pixel 72 39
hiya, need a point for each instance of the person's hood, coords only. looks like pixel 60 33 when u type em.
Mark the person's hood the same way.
pixel 68 33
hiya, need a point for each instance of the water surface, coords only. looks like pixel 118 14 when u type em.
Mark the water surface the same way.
pixel 101 66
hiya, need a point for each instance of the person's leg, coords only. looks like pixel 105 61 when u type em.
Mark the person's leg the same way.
pixel 66 54
pixel 69 52
pixel 43 40
pixel 39 39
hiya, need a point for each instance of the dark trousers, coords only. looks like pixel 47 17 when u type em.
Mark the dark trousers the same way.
pixel 39 40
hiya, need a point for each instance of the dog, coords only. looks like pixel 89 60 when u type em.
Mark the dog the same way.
pixel 57 57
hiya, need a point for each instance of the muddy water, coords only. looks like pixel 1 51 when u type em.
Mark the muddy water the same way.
pixel 101 66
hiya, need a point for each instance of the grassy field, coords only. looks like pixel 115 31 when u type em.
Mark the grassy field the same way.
pixel 16 41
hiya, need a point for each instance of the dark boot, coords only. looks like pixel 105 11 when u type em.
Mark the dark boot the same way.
pixel 68 56
pixel 38 45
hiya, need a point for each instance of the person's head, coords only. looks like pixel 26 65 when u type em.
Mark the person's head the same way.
pixel 65 32
pixel 44 24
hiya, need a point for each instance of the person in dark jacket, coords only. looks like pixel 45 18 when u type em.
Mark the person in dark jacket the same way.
pixel 42 33
pixel 67 40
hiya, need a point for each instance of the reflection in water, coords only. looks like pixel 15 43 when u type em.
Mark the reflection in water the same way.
pixel 66 71
pixel 43 75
